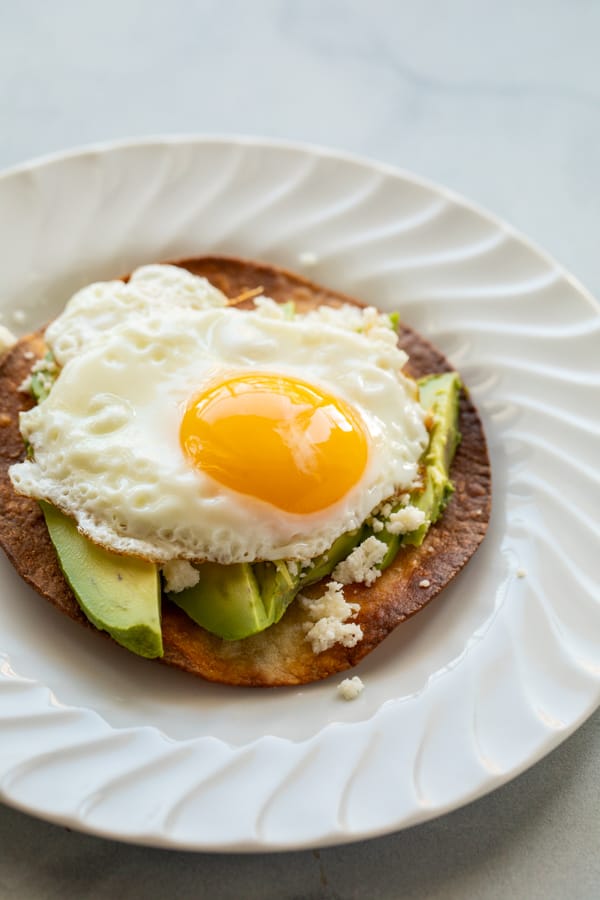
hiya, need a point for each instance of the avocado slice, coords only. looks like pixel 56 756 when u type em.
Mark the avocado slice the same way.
pixel 236 601
pixel 439 394
pixel 226 601
pixel 277 587
pixel 341 548
pixel 118 594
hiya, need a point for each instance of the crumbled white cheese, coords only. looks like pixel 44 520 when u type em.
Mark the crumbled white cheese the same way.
pixel 179 574
pixel 7 339
pixel 350 688
pixel 328 616
pixel 46 371
pixel 308 258
pixel 366 321
pixel 521 573
pixel 374 323
pixel 331 603
pixel 293 567
pixel 329 631
pixel 425 583
pixel 361 565
pixel 378 520
pixel 409 518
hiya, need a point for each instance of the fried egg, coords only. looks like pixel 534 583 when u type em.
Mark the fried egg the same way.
pixel 183 428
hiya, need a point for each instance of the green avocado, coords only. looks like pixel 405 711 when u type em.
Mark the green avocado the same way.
pixel 236 601
pixel 277 587
pixel 439 394
pixel 118 594
pixel 226 601
pixel 323 565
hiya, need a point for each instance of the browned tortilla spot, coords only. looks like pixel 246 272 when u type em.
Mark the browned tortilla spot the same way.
pixel 280 655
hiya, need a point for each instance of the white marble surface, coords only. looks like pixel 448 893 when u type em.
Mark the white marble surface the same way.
pixel 500 102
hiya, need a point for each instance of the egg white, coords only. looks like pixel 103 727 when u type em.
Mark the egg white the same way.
pixel 106 444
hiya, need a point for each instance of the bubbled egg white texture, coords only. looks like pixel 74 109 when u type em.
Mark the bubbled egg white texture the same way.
pixel 107 441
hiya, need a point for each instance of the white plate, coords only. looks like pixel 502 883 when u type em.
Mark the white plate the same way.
pixel 460 699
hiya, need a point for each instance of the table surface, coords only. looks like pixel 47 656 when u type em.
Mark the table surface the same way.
pixel 499 101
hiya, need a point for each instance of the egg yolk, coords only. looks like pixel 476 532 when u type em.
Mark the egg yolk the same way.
pixel 278 439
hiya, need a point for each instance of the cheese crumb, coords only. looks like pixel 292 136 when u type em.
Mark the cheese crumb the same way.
pixel 179 574
pixel 46 371
pixel 425 583
pixel 329 631
pixel 350 688
pixel 405 520
pixel 7 339
pixel 362 563
pixel 328 616
pixel 521 573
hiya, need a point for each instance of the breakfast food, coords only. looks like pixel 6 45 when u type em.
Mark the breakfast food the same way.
pixel 265 465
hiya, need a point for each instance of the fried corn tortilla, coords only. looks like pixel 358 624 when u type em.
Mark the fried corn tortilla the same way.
pixel 280 655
